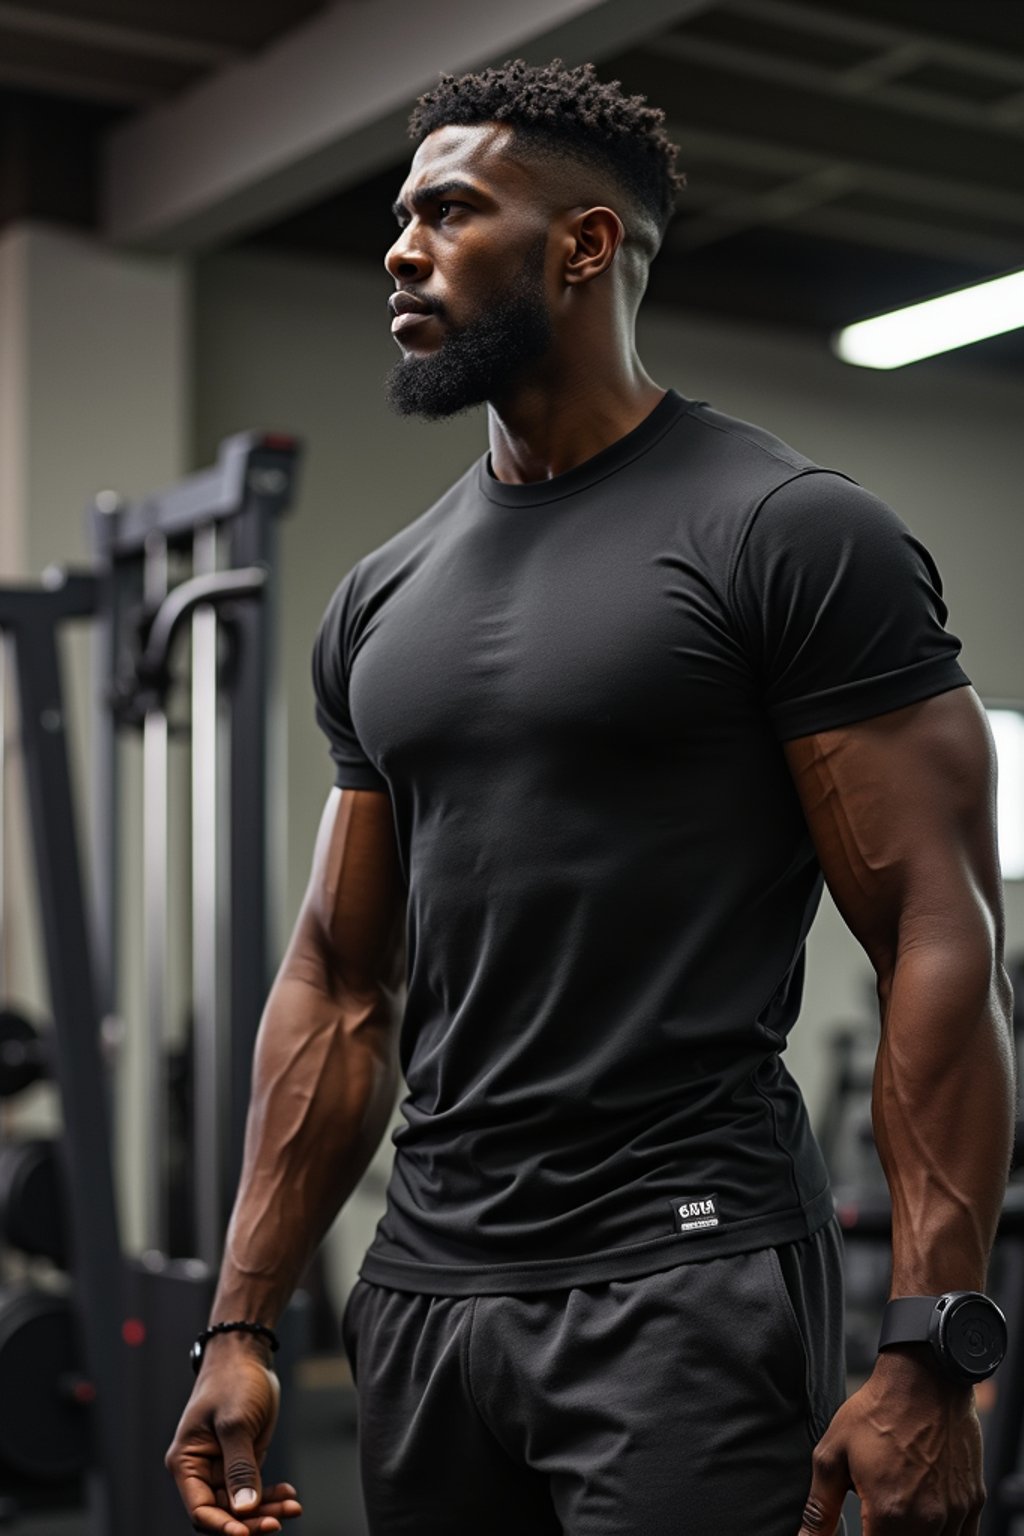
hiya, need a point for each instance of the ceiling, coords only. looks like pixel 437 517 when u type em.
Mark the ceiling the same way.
pixel 840 158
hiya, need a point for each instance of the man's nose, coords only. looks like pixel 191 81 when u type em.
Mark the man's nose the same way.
pixel 406 262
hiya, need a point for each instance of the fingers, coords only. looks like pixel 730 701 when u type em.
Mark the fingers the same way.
pixel 949 1514
pixel 279 1503
pixel 893 1517
pixel 212 1520
pixel 830 1483
pixel 241 1472
pixel 211 1508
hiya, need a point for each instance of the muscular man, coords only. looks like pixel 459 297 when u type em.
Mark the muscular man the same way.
pixel 603 718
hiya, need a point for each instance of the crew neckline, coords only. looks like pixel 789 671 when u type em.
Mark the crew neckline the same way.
pixel 535 493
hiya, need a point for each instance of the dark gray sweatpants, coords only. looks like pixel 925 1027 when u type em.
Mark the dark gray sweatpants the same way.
pixel 685 1403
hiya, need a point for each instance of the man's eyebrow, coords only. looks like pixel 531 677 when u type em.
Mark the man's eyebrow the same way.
pixel 432 194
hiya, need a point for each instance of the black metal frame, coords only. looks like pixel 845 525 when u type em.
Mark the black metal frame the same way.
pixel 30 618
pixel 251 484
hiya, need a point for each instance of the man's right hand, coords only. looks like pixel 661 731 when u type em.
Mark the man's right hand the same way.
pixel 325 1076
pixel 221 1441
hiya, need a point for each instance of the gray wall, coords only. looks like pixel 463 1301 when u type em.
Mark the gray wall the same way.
pixel 291 344
pixel 94 374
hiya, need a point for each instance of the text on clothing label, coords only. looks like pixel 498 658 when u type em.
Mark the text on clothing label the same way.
pixel 695 1213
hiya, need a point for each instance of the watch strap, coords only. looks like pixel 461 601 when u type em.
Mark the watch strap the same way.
pixel 907 1320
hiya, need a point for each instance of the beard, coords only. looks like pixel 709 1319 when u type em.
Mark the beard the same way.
pixel 481 360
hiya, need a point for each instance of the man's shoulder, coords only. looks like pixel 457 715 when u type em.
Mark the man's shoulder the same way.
pixel 749 450
pixel 722 470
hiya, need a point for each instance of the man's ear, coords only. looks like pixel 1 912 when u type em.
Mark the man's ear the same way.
pixel 592 238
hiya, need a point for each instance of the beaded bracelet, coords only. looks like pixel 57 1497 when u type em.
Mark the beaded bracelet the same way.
pixel 199 1347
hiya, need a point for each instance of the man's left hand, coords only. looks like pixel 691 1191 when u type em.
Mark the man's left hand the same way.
pixel 909 1444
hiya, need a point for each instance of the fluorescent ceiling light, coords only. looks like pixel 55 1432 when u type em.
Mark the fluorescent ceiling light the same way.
pixel 935 325
pixel 1008 734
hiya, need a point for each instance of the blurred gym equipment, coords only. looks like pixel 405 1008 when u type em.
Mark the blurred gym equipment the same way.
pixel 95 1361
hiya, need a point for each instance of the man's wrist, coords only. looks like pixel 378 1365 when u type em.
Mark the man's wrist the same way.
pixel 914 1368
pixel 236 1342
pixel 228 1346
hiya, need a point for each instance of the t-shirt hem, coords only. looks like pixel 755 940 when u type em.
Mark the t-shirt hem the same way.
pixel 867 697
pixel 628 1263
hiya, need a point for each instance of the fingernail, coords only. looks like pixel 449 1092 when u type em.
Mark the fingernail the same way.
pixel 245 1497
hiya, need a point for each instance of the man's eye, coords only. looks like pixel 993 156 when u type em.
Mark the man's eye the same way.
pixel 442 208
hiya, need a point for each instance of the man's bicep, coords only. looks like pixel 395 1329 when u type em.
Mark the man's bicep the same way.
pixel 354 906
pixel 901 808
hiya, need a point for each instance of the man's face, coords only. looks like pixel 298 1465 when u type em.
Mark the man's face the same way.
pixel 471 258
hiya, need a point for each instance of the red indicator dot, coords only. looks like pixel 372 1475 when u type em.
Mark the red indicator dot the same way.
pixel 847 1215
pixel 133 1331
pixel 279 440
pixel 84 1392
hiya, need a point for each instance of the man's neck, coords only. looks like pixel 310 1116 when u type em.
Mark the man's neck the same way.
pixel 544 432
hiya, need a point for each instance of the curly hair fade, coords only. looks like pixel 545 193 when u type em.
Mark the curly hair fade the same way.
pixel 569 112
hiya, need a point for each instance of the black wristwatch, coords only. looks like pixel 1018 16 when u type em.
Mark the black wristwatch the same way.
pixel 966 1330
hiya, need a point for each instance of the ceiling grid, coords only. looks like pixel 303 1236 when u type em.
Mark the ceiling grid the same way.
pixel 840 159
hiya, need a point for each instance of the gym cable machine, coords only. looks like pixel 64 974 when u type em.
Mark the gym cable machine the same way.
pixel 101 1367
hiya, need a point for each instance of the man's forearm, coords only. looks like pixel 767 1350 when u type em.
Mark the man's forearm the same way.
pixel 324 1084
pixel 943 1111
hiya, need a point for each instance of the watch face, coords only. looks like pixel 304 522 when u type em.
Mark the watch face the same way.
pixel 973 1331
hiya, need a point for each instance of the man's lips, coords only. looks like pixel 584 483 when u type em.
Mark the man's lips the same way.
pixel 409 320
pixel 408 310
pixel 405 303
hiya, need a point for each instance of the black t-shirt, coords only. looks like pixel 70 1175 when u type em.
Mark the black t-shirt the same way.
pixel 575 692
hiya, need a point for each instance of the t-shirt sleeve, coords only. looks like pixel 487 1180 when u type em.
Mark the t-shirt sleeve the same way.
pixel 840 607
pixel 353 769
